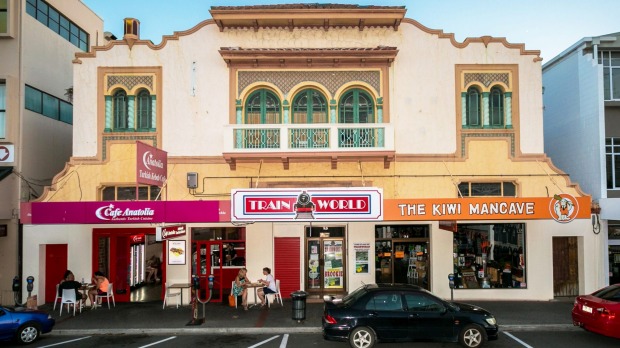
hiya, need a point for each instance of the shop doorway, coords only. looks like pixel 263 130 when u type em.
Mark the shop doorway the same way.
pixel 121 255
pixel 402 254
pixel 325 260
pixel 565 267
pixel 55 267
pixel 206 261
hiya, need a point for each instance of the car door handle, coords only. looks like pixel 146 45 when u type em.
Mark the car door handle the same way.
pixel 414 315
pixel 372 314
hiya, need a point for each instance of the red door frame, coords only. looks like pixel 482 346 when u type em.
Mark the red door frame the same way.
pixel 119 239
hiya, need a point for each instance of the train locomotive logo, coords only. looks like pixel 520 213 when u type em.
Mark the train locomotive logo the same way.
pixel 304 207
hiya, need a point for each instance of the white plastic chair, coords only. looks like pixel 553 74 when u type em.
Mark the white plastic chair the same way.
pixel 232 286
pixel 277 296
pixel 68 298
pixel 58 297
pixel 108 295
pixel 171 294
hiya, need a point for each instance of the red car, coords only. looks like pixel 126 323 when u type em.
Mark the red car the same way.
pixel 599 312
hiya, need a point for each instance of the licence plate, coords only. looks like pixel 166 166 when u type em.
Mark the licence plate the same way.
pixel 586 309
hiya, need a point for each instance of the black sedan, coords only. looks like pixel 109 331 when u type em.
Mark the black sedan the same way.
pixel 403 312
pixel 24 325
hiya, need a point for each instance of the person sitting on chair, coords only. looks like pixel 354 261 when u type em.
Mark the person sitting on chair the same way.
pixel 269 285
pixel 152 269
pixel 101 287
pixel 69 283
pixel 239 287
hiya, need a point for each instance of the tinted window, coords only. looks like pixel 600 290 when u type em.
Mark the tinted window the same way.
pixel 611 293
pixel 421 303
pixel 354 296
pixel 385 301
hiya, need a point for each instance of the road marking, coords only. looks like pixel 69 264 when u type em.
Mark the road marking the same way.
pixel 265 341
pixel 518 340
pixel 284 341
pixel 158 342
pixel 59 343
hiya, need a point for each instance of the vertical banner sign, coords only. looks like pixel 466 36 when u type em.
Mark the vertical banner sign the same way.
pixel 151 165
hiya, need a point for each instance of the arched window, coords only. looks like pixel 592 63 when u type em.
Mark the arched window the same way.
pixel 473 107
pixel 310 106
pixel 120 110
pixel 262 107
pixel 143 109
pixel 496 107
pixel 356 106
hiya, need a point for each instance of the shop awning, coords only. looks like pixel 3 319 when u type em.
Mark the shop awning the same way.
pixel 5 171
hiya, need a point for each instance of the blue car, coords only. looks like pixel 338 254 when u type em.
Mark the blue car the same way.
pixel 24 325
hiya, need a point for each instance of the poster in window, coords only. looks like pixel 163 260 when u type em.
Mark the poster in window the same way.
pixel 176 252
pixel 334 267
pixel 361 257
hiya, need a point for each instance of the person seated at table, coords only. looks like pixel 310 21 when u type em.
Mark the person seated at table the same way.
pixel 239 287
pixel 69 282
pixel 269 285
pixel 152 269
pixel 101 287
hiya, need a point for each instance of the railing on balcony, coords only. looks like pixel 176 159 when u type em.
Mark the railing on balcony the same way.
pixel 305 137
pixel 361 137
pixel 257 138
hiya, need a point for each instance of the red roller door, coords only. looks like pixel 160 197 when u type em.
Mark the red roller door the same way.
pixel 286 266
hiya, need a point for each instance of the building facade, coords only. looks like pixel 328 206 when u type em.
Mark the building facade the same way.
pixel 582 101
pixel 38 41
pixel 334 144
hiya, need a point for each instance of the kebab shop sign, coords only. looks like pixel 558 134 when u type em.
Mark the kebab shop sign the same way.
pixel 151 165
pixel 307 204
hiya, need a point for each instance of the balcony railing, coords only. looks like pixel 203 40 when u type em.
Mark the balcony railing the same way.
pixel 305 137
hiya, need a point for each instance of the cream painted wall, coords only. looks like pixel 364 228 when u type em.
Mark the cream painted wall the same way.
pixel 422 87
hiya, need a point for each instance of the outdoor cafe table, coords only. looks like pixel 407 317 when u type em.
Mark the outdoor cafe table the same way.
pixel 180 286
pixel 255 286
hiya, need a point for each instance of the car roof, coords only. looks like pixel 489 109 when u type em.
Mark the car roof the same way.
pixel 393 286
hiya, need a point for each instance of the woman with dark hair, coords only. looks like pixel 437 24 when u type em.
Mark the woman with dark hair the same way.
pixel 101 287
pixel 69 283
pixel 269 285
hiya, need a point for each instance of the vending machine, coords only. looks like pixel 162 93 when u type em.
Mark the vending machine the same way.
pixel 136 260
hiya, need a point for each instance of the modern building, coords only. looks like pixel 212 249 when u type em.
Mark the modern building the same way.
pixel 38 42
pixel 334 144
pixel 582 133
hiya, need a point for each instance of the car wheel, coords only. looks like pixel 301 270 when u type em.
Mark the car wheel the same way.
pixel 472 336
pixel 362 337
pixel 28 333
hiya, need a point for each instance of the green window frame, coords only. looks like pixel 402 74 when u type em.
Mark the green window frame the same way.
pixel 263 107
pixel 472 107
pixel 143 110
pixel 310 106
pixel 120 110
pixel 356 106
pixel 496 107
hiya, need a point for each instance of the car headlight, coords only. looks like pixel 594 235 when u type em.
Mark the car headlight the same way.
pixel 491 320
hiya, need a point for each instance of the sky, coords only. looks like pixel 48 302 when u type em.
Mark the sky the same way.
pixel 550 26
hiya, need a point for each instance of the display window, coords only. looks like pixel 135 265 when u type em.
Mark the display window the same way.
pixel 489 256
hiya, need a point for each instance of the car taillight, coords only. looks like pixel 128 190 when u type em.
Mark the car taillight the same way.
pixel 329 319
pixel 606 313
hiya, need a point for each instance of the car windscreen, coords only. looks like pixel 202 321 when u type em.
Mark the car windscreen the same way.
pixel 610 293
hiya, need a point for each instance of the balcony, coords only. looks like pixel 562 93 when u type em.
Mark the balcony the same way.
pixel 304 140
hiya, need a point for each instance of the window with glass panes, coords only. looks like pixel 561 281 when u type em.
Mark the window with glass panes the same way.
pixel 356 106
pixel 57 22
pixel 262 107
pixel 128 193
pixel 496 107
pixel 481 189
pixel 611 74
pixel 612 154
pixel 310 106
pixel 4 16
pixel 472 107
pixel 48 105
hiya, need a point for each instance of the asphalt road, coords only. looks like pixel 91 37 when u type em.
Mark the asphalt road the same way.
pixel 568 338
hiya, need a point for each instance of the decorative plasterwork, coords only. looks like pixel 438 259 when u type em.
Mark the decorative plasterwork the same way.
pixel 286 80
pixel 129 81
pixel 486 79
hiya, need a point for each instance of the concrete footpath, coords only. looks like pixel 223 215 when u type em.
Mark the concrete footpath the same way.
pixel 150 318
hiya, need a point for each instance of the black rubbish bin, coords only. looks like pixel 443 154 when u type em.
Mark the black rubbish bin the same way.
pixel 299 305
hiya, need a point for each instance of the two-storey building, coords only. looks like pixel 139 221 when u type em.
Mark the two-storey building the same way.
pixel 335 144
